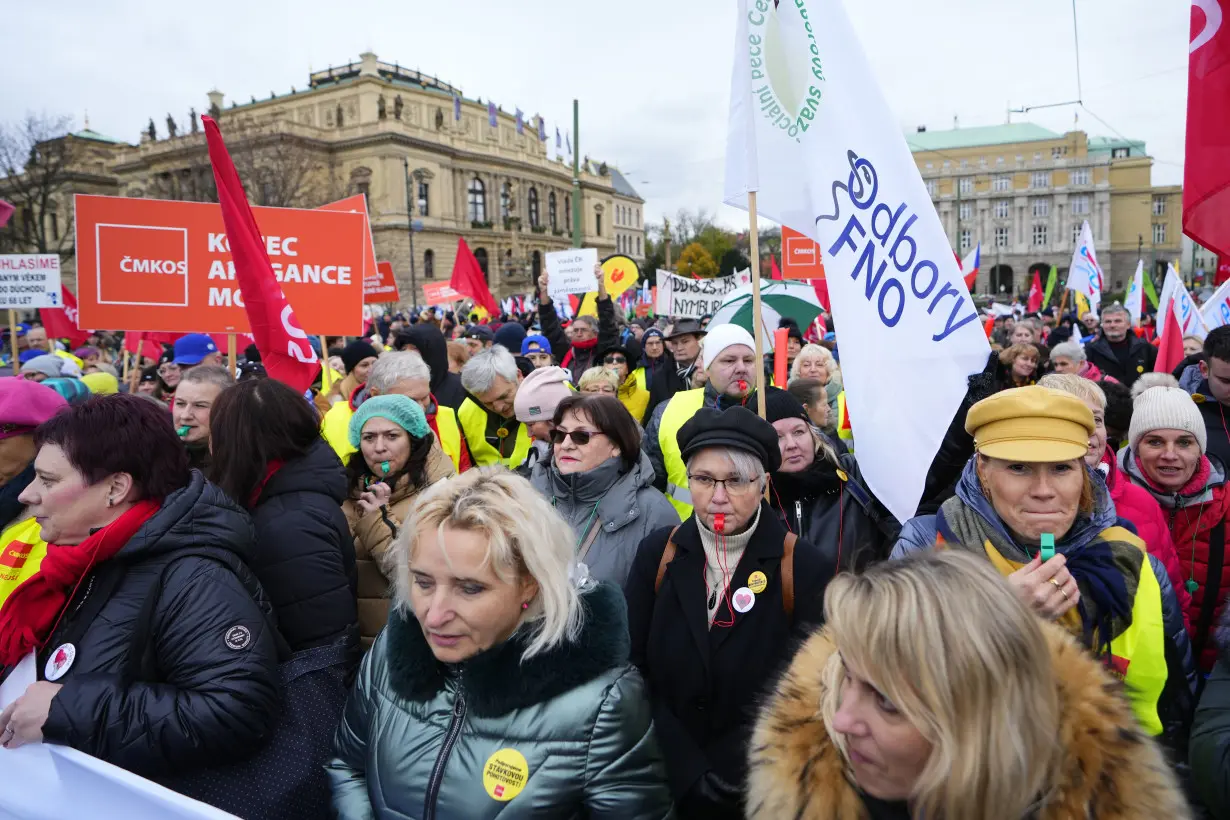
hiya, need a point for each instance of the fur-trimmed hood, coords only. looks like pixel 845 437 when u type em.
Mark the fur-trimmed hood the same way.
pixel 1111 769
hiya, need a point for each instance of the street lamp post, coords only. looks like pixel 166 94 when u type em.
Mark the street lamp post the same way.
pixel 414 289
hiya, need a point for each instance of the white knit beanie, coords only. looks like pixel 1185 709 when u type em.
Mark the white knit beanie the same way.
pixel 1166 408
pixel 721 337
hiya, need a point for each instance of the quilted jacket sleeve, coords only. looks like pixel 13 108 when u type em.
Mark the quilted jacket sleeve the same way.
pixel 347 770
pixel 214 704
pixel 625 775
pixel 553 330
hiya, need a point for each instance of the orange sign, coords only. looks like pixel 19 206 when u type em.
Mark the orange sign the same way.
pixel 382 287
pixel 440 293
pixel 153 265
pixel 800 256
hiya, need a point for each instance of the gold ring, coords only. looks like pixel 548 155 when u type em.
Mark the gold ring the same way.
pixel 1065 593
pixel 1058 586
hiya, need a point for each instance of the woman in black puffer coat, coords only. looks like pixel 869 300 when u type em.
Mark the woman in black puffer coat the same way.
pixel 152 650
pixel 268 456
pixel 820 496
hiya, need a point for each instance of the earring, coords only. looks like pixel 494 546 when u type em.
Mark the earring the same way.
pixel 110 502
pixel 525 605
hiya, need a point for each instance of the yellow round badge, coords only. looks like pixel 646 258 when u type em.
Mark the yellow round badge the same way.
pixel 504 774
pixel 1140 368
pixel 757 581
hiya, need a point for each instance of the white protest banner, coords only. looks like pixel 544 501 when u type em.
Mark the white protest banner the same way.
pixel 572 271
pixel 1085 274
pixel 811 133
pixel 1216 311
pixel 30 280
pixel 693 298
pixel 1191 322
pixel 1134 302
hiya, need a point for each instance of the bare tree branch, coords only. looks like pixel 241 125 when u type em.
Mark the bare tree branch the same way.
pixel 36 158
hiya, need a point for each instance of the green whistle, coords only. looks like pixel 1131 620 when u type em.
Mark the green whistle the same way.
pixel 384 467
pixel 1048 547
pixel 181 432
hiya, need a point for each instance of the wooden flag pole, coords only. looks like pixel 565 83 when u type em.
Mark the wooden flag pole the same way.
pixel 326 370
pixel 13 340
pixel 757 320
pixel 231 358
pixel 127 363
pixel 1063 304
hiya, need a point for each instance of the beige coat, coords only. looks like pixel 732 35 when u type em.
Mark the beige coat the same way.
pixel 372 539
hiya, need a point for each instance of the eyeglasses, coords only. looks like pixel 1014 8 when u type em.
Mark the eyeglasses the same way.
pixel 579 437
pixel 733 485
pixel 615 360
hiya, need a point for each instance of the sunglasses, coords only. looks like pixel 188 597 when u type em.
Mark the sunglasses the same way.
pixel 615 360
pixel 579 437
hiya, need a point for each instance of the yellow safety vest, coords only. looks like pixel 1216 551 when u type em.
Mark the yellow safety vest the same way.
pixel 634 394
pixel 473 418
pixel 335 427
pixel 450 434
pixel 22 550
pixel 844 431
pixel 679 409
pixel 1138 654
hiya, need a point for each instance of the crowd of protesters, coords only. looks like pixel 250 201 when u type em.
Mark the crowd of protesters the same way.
pixel 537 566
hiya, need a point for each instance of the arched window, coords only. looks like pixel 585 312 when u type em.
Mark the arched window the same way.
pixel 478 200
pixel 429 264
pixel 510 267
pixel 567 212
pixel 506 201
pixel 536 265
pixel 638 246
pixel 480 254
pixel 532 198
pixel 552 216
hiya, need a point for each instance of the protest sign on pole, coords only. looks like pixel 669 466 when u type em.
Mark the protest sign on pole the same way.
pixel 693 298
pixel 440 293
pixel 800 256
pixel 572 271
pixel 809 131
pixel 381 288
pixel 30 280
pixel 153 265
pixel 1085 274
pixel 621 272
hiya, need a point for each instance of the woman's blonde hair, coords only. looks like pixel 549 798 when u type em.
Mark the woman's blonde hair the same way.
pixel 526 538
pixel 1013 352
pixel 979 688
pixel 1079 386
pixel 818 352
pixel 598 375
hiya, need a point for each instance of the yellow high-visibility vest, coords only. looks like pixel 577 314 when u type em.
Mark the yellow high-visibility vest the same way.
pixel 22 550
pixel 335 427
pixel 844 431
pixel 679 409
pixel 634 395
pixel 450 434
pixel 473 418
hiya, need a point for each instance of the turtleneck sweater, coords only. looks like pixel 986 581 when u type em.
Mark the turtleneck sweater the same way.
pixel 721 560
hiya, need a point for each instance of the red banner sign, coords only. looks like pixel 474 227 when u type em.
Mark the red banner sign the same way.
pixel 382 287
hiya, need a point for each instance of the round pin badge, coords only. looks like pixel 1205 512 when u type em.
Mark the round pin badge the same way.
pixel 505 774
pixel 1140 368
pixel 743 599
pixel 757 581
pixel 60 662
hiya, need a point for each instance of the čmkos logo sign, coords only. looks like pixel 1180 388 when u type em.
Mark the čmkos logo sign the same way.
pixel 784 60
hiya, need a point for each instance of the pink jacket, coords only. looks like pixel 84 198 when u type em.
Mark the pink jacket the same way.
pixel 1138 506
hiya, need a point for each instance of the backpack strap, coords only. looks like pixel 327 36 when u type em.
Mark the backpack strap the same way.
pixel 787 573
pixel 668 555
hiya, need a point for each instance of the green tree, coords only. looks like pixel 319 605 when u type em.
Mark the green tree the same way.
pixel 715 240
pixel 731 261
pixel 696 261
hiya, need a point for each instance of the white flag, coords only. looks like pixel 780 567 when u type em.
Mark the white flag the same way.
pixel 1136 294
pixel 1216 311
pixel 810 131
pixel 1085 274
pixel 1190 320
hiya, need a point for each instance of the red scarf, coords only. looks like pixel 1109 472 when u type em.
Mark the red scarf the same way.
pixel 32 611
pixel 588 344
pixel 274 465
pixel 1196 483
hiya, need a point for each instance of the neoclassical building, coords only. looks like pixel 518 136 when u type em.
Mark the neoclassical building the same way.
pixel 427 158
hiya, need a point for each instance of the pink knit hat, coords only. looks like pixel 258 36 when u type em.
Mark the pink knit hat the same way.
pixel 26 404
pixel 540 393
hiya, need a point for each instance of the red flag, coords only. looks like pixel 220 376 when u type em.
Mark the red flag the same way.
pixel 776 273
pixel 285 350
pixel 1206 170
pixel 1170 344
pixel 1035 295
pixel 821 287
pixel 138 344
pixel 468 278
pixel 1223 269
pixel 61 323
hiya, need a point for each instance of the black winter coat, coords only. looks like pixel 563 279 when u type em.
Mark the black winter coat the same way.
pixel 839 515
pixel 666 382
pixel 304 553
pixel 1210 740
pixel 582 359
pixel 1141 358
pixel 215 696
pixel 433 347
pixel 706 683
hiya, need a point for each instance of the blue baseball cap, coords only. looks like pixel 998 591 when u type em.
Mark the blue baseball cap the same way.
pixel 535 344
pixel 192 348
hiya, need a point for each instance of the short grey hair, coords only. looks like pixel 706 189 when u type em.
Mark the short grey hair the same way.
pixel 590 321
pixel 1146 380
pixel 1114 308
pixel 392 368
pixel 1030 321
pixel 208 374
pixel 478 375
pixel 746 466
pixel 1069 350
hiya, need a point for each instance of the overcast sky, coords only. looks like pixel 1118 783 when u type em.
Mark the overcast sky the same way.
pixel 652 77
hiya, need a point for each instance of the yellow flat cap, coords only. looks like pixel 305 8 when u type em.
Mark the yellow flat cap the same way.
pixel 1031 424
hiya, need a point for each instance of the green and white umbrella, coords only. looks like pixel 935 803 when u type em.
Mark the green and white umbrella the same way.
pixel 778 299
